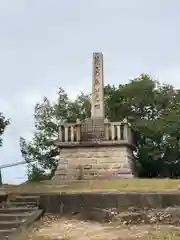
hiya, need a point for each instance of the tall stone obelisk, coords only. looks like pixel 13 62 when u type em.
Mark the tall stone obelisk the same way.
pixel 97 101
pixel 93 128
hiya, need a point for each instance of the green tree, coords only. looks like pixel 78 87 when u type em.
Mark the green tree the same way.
pixel 3 124
pixel 153 109
pixel 42 147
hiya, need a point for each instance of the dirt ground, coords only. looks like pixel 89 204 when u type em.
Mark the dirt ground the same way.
pixel 52 228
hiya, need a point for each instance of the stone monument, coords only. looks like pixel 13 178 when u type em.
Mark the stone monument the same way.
pixel 95 148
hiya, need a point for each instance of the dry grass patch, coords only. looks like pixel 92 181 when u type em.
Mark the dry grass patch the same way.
pixel 162 233
pixel 122 185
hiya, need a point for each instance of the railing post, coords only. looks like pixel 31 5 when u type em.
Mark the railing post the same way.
pixel 126 131
pixel 107 131
pixel 72 133
pixel 130 140
pixel 66 133
pixel 112 132
pixel 78 133
pixel 78 130
pixel 118 132
pixel 106 126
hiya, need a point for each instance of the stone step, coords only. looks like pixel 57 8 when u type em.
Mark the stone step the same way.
pixel 19 204
pixel 26 198
pixel 10 224
pixel 4 233
pixel 18 209
pixel 14 216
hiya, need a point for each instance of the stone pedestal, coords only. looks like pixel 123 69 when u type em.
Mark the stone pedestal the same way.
pixel 95 162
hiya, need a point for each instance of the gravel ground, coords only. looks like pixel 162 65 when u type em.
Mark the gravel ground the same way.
pixel 63 229
pixel 162 224
pixel 54 228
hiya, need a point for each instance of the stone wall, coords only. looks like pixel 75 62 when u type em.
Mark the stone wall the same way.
pixel 95 162
pixel 69 203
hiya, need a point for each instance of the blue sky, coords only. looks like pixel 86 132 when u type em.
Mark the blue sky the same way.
pixel 46 44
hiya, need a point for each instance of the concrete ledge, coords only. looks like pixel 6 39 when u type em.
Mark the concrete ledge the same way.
pixel 69 203
pixel 102 143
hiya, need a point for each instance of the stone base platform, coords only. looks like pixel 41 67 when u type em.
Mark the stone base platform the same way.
pixel 95 162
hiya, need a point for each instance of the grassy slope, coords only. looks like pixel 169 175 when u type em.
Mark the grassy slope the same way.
pixel 136 185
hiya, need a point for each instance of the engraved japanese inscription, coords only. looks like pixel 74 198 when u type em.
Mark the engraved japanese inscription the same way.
pixel 97 102
pixel 97 81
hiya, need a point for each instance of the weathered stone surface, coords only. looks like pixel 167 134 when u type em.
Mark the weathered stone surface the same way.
pixel 93 129
pixel 96 162
pixel 119 201
pixel 97 98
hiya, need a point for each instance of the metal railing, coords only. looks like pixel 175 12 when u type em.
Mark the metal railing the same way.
pixel 3 166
